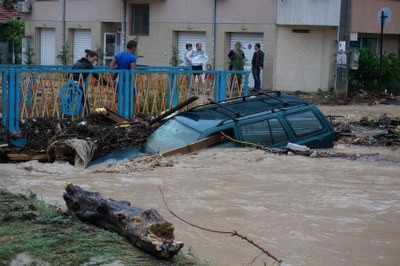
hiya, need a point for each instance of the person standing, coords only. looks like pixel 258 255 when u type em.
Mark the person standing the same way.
pixel 125 59
pixel 237 60
pixel 236 57
pixel 257 64
pixel 186 62
pixel 197 58
pixel 85 63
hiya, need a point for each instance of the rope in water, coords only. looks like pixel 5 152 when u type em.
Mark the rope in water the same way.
pixel 231 233
pixel 241 142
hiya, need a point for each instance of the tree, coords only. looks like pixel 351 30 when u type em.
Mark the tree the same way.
pixel 175 61
pixel 64 55
pixel 14 31
pixel 29 54
pixel 100 55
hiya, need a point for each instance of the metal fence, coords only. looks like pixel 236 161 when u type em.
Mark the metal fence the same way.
pixel 59 91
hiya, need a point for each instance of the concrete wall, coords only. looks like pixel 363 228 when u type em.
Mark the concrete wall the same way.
pixel 228 11
pixel 45 11
pixel 364 16
pixel 391 44
pixel 178 11
pixel 239 11
pixel 77 10
pixel 305 61
pixel 308 12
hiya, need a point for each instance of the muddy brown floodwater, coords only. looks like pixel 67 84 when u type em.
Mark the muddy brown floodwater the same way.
pixel 304 210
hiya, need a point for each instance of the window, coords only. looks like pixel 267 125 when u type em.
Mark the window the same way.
pixel 365 43
pixel 170 135
pixel 257 133
pixel 140 19
pixel 304 123
pixel 277 131
pixel 300 31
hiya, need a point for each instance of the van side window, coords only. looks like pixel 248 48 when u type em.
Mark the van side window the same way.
pixel 257 133
pixel 304 123
pixel 277 131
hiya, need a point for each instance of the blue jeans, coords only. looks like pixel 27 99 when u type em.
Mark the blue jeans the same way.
pixel 257 79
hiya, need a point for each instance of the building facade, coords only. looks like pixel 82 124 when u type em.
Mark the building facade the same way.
pixel 366 30
pixel 8 10
pixel 299 38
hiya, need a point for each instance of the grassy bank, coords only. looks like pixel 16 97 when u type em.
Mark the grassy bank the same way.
pixel 28 225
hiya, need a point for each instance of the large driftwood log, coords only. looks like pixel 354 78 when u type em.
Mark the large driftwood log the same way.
pixel 146 229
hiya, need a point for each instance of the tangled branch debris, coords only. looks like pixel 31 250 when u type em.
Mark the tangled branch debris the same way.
pixel 382 131
pixel 40 133
pixel 232 233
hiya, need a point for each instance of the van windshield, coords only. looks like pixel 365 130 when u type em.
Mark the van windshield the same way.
pixel 171 135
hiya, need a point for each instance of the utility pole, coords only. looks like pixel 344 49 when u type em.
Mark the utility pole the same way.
pixel 214 31
pixel 383 18
pixel 342 60
pixel 63 11
pixel 123 25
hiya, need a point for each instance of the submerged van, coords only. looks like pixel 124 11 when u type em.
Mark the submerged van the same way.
pixel 268 119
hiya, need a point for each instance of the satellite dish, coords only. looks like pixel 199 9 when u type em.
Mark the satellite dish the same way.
pixel 387 13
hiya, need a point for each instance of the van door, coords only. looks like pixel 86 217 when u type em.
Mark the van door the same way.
pixel 309 129
pixel 268 132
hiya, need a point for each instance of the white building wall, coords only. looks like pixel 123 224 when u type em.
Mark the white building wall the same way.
pixel 305 61
pixel 308 12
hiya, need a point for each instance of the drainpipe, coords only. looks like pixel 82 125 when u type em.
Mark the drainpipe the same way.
pixel 214 33
pixel 63 21
pixel 123 22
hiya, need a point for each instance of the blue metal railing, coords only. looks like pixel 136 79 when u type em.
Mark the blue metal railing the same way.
pixel 11 76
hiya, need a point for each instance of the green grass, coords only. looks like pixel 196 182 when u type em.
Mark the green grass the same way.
pixel 29 225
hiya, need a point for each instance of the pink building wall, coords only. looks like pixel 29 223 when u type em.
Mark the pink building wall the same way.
pixel 365 12
pixel 85 11
pixel 228 11
pixel 242 11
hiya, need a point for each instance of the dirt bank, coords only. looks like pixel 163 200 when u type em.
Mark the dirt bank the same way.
pixel 34 233
pixel 355 112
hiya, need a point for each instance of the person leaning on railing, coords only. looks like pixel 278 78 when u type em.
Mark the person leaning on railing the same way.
pixel 86 63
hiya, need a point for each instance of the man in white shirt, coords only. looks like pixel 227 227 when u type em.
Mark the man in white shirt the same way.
pixel 197 57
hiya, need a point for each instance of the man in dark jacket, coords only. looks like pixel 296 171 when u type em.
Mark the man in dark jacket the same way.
pixel 257 64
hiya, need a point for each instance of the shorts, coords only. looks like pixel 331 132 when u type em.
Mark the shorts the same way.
pixel 197 68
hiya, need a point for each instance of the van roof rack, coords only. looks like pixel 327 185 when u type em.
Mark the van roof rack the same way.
pixel 237 114
pixel 285 103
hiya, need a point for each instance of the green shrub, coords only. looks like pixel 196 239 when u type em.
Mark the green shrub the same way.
pixel 100 55
pixel 65 56
pixel 368 73
pixel 175 61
